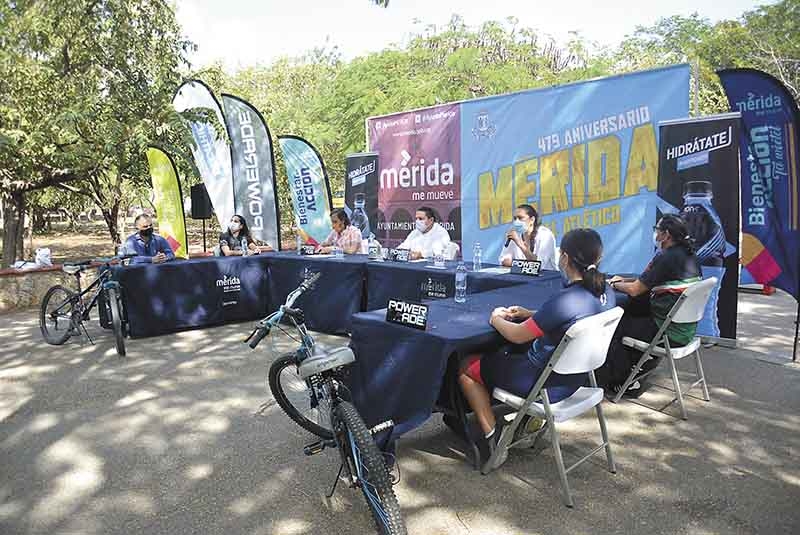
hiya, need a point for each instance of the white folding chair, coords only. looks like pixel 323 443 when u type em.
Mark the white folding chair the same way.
pixel 689 308
pixel 582 350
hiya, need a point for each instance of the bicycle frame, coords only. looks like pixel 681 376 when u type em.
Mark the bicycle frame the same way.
pixel 102 279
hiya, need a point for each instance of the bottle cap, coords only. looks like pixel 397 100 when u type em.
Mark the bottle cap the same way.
pixel 697 188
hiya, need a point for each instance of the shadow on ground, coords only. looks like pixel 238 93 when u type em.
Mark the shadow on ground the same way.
pixel 167 441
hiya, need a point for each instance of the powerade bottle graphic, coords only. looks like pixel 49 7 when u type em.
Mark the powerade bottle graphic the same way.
pixel 705 227
pixel 359 217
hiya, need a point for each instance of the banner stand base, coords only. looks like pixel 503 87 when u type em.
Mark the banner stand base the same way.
pixel 731 343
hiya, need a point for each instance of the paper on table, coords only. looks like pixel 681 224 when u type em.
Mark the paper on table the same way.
pixel 499 269
pixel 420 260
pixel 322 255
pixel 435 267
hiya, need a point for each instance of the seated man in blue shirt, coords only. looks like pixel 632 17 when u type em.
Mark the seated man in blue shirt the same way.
pixel 148 247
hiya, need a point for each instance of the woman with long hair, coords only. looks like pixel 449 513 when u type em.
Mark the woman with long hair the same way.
pixel 236 241
pixel 652 295
pixel 517 369
pixel 529 240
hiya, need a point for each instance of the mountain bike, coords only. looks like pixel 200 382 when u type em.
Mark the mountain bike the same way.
pixel 64 311
pixel 307 384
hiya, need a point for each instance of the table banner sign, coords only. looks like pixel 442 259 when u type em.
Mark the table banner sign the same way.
pixel 530 268
pixel 398 255
pixel 435 288
pixel 374 252
pixel 414 315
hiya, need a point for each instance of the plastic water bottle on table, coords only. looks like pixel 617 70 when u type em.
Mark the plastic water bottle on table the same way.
pixel 461 283
pixel 477 254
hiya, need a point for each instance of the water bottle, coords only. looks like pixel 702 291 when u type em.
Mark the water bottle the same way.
pixel 461 283
pixel 359 217
pixel 476 257
pixel 299 244
pixel 338 252
pixel 705 227
pixel 245 252
pixel 704 224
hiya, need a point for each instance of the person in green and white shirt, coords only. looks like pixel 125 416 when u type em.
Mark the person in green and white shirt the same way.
pixel 652 295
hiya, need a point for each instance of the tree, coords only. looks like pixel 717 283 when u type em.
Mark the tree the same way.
pixel 85 86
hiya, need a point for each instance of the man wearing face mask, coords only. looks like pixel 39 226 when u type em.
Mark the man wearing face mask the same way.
pixel 427 237
pixel 528 240
pixel 652 295
pixel 149 247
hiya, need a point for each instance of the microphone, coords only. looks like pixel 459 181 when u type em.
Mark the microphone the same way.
pixel 519 228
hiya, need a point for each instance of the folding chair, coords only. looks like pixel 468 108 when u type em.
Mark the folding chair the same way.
pixel 688 309
pixel 582 350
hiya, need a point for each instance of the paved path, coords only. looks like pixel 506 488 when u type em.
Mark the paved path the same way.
pixel 166 441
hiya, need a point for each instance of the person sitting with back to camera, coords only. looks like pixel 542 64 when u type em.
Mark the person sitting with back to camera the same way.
pixel 148 247
pixel 237 241
pixel 585 293
pixel 653 293
pixel 427 237
pixel 344 235
pixel 529 240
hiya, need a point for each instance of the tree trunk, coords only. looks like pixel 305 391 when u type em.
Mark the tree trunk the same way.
pixel 13 211
pixel 111 215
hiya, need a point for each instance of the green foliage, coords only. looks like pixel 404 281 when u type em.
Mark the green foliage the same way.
pixel 86 85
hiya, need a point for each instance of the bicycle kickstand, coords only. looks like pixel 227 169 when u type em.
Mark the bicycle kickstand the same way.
pixel 85 332
pixel 335 481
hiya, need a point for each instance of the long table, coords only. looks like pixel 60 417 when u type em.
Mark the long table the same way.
pixel 164 298
pixel 336 296
pixel 184 294
pixel 399 373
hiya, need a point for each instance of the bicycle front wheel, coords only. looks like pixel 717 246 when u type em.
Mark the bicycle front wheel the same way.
pixel 55 314
pixel 367 464
pixel 297 399
pixel 115 308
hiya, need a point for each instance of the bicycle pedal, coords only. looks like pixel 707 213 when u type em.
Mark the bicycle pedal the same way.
pixel 317 447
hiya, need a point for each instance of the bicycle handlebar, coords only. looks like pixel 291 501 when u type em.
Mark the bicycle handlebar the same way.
pixel 265 325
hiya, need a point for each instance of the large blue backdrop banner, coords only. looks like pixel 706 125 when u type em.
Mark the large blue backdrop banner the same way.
pixel 770 190
pixel 583 154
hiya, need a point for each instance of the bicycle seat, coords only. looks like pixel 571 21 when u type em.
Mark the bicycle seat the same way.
pixel 325 359
pixel 70 269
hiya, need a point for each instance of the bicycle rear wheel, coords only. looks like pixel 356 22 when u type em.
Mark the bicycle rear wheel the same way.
pixel 115 307
pixel 367 464
pixel 296 398
pixel 55 314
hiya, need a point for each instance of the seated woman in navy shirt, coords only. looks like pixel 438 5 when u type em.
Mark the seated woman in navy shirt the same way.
pixel 585 293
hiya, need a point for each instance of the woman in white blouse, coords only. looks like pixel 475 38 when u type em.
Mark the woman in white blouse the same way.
pixel 529 240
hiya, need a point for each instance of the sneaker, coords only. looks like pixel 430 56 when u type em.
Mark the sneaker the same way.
pixel 635 390
pixel 487 446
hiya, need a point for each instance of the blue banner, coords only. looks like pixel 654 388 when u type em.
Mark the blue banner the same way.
pixel 211 152
pixel 770 202
pixel 253 165
pixel 583 154
pixel 308 183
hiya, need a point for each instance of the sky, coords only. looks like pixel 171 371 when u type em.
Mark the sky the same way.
pixel 243 33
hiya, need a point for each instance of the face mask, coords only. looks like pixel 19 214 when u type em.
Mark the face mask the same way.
pixel 421 226
pixel 234 227
pixel 655 240
pixel 519 226
pixel 146 233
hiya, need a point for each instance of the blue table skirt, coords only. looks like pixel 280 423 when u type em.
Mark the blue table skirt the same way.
pixel 399 372
pixel 337 295
pixel 184 294
pixel 407 281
